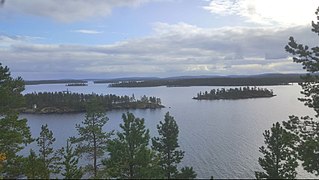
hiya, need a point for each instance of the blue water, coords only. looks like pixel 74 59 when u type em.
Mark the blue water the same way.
pixel 220 138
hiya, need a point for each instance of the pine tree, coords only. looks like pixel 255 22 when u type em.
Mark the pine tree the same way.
pixel 92 140
pixel 10 92
pixel 33 166
pixel 14 132
pixel 47 155
pixel 307 128
pixel 129 154
pixel 280 159
pixel 167 146
pixel 70 162
pixel 186 173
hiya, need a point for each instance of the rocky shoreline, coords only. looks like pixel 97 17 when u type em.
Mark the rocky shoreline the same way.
pixel 63 110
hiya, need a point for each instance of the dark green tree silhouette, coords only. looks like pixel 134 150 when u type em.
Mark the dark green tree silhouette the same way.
pixel 14 132
pixel 167 146
pixel 186 173
pixel 307 128
pixel 129 155
pixel 70 160
pixel 46 152
pixel 33 166
pixel 280 159
pixel 92 140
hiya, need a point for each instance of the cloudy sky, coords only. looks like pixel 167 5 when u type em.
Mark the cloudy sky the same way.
pixel 55 39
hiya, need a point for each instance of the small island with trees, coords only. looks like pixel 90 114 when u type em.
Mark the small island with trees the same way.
pixel 235 93
pixel 76 84
pixel 67 102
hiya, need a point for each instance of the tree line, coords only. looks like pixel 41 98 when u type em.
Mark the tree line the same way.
pixel 257 80
pixel 235 93
pixel 76 102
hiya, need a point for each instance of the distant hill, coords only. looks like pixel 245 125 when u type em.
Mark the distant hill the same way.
pixel 204 80
pixel 252 80
pixel 125 79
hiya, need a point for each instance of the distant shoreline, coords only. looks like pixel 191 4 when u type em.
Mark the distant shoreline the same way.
pixel 184 81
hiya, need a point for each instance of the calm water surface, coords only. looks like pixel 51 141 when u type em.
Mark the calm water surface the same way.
pixel 220 138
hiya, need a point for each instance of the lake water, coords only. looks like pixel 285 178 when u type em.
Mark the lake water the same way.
pixel 220 138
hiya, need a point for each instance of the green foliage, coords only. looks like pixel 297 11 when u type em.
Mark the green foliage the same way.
pixel 47 155
pixel 33 166
pixel 309 58
pixel 186 173
pixel 14 135
pixel 280 159
pixel 167 146
pixel 70 162
pixel 14 132
pixel 306 128
pixel 129 154
pixel 92 140
pixel 10 92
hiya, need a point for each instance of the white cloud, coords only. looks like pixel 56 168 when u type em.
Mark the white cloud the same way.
pixel 87 31
pixel 70 10
pixel 268 12
pixel 178 49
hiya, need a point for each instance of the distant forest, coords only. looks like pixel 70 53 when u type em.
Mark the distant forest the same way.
pixel 65 102
pixel 36 82
pixel 234 93
pixel 251 80
pixel 260 80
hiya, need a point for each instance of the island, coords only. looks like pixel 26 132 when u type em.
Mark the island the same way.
pixel 67 102
pixel 235 93
pixel 76 84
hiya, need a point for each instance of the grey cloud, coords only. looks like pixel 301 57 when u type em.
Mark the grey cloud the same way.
pixel 70 10
pixel 173 49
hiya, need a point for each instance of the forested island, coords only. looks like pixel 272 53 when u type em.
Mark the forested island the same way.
pixel 235 93
pixel 76 84
pixel 61 81
pixel 67 102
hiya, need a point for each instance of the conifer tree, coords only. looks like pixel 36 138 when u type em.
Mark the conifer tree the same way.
pixel 307 128
pixel 14 132
pixel 92 140
pixel 186 173
pixel 167 146
pixel 129 155
pixel 46 152
pixel 70 163
pixel 33 166
pixel 280 159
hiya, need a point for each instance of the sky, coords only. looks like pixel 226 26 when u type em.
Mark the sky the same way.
pixel 81 39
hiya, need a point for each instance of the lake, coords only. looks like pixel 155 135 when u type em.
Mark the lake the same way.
pixel 220 138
